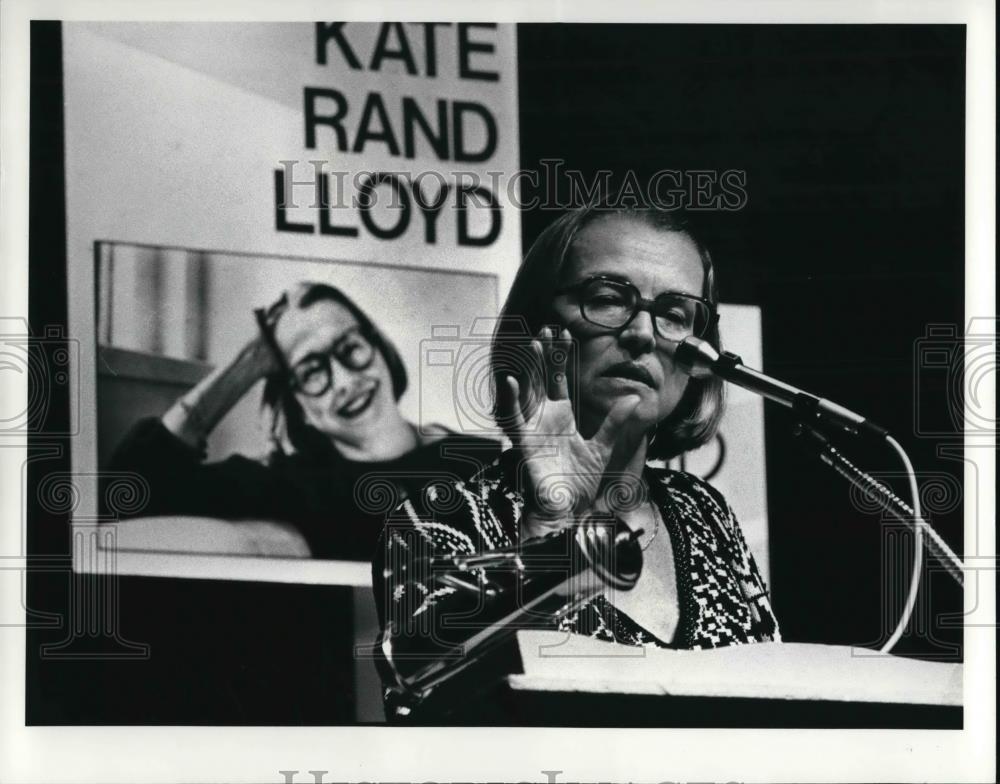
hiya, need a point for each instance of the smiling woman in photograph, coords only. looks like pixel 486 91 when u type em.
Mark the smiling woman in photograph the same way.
pixel 600 300
pixel 342 452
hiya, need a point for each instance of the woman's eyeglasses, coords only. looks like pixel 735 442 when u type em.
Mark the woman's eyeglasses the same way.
pixel 611 303
pixel 313 375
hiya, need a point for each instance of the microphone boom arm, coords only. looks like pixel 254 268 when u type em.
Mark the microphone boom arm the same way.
pixel 699 359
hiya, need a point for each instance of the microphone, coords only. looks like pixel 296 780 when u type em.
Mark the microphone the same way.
pixel 482 599
pixel 699 359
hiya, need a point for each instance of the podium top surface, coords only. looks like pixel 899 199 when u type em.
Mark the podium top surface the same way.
pixel 562 662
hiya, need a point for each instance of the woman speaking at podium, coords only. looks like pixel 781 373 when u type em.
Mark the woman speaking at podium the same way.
pixel 589 396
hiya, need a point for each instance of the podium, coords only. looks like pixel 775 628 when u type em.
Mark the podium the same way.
pixel 570 680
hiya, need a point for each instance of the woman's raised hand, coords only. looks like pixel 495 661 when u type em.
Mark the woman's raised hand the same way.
pixel 561 471
pixel 261 352
pixel 201 408
pixel 259 357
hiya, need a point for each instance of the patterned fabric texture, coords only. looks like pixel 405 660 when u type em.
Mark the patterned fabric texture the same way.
pixel 722 597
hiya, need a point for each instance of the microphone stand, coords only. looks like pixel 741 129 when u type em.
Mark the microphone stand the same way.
pixel 881 495
pixel 699 359
pixel 483 598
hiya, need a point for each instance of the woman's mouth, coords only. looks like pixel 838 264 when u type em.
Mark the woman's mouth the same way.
pixel 631 371
pixel 358 404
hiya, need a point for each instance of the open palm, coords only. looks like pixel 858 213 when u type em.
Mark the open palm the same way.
pixel 561 471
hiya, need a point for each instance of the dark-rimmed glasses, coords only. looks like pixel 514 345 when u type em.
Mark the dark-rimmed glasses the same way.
pixel 613 304
pixel 313 374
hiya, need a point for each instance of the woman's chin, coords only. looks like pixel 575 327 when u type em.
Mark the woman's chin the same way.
pixel 647 412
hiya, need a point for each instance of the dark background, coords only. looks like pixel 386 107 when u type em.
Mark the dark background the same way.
pixel 851 243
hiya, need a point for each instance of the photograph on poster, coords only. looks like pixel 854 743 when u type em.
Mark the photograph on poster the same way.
pixel 507 364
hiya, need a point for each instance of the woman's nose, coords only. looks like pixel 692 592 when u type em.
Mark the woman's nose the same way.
pixel 640 334
pixel 343 379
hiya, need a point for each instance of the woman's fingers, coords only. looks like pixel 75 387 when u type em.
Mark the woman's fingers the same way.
pixel 560 346
pixel 551 353
pixel 533 379
pixel 513 417
pixel 544 375
pixel 620 431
